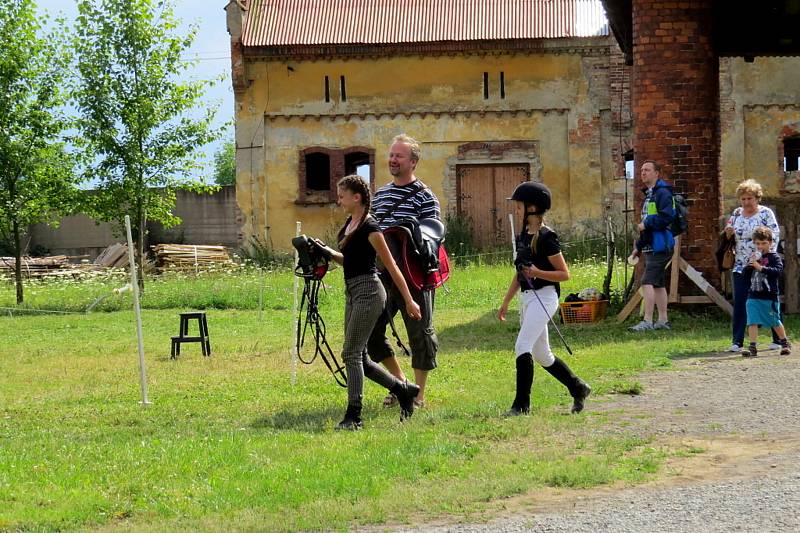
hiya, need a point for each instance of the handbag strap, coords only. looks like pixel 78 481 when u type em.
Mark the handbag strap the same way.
pixel 413 192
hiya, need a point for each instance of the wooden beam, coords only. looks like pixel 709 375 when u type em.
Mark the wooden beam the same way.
pixel 630 306
pixel 696 300
pixel 674 297
pixel 705 286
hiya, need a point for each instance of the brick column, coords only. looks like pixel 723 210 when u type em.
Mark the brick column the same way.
pixel 675 100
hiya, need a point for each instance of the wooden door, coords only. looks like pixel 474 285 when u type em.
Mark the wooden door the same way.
pixel 482 191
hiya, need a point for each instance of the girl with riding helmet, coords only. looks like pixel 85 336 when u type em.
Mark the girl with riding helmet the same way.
pixel 540 268
pixel 360 241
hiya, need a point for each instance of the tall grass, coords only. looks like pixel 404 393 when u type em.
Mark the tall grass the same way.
pixel 473 284
pixel 259 252
pixel 245 288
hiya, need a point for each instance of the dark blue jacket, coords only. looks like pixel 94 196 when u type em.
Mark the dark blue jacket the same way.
pixel 657 236
pixel 764 284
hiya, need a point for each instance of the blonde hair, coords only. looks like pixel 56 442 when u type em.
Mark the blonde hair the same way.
pixel 412 143
pixel 534 236
pixel 750 186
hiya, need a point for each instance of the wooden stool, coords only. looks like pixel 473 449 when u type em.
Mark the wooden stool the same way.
pixel 184 334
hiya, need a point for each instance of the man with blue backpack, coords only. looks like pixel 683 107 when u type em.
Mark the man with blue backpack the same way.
pixel 655 243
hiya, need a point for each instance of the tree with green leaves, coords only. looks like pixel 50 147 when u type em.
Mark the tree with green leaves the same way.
pixel 136 103
pixel 37 183
pixel 225 164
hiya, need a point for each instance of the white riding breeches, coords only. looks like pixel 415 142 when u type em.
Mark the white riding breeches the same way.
pixel 533 316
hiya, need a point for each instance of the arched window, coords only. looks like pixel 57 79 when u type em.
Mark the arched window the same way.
pixel 316 175
pixel 360 160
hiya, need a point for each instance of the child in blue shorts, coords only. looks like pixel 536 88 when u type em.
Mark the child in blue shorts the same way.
pixel 763 308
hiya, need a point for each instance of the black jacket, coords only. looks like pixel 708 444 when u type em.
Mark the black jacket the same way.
pixel 764 283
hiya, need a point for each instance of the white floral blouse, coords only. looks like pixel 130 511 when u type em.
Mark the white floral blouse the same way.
pixel 743 227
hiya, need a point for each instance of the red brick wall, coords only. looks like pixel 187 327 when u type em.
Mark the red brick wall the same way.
pixel 675 93
pixel 619 81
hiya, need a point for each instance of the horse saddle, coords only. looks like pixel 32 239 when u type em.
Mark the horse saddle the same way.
pixel 418 249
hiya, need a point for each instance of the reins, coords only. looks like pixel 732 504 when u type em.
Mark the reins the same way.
pixel 315 326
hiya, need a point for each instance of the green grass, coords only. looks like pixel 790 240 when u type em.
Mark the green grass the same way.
pixel 230 442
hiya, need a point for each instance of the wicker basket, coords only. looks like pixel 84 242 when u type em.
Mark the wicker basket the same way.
pixel 584 312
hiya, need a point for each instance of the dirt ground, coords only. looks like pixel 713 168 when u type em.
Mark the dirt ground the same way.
pixel 742 413
pixel 737 420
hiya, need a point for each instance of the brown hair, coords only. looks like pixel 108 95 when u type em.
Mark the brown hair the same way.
pixel 356 184
pixel 656 166
pixel 762 233
pixel 412 143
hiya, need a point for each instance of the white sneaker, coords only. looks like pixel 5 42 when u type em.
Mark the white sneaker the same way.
pixel 735 348
pixel 773 346
pixel 644 325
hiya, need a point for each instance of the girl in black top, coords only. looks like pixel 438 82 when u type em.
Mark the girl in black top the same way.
pixel 540 267
pixel 360 241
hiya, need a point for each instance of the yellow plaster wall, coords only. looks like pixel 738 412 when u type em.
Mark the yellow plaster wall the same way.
pixel 766 98
pixel 440 138
pixel 438 100
pixel 762 162
pixel 418 83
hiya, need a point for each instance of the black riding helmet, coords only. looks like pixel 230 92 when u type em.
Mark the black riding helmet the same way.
pixel 533 193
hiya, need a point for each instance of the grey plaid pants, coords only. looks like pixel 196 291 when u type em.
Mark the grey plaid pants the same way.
pixel 365 298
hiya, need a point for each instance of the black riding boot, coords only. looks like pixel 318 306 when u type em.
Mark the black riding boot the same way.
pixel 405 392
pixel 352 418
pixel 522 401
pixel 578 389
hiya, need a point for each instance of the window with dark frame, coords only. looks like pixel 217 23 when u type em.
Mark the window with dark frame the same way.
pixel 342 89
pixel 320 168
pixel 318 171
pixel 791 154
pixel 485 85
pixel 327 89
pixel 629 165
pixel 358 163
pixel 502 84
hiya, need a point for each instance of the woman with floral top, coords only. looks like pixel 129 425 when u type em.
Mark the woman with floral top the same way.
pixel 740 226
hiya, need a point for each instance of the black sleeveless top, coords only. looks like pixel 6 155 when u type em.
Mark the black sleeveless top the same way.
pixel 359 255
pixel 547 245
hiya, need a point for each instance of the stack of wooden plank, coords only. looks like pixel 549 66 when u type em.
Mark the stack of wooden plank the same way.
pixel 189 257
pixel 115 256
pixel 37 267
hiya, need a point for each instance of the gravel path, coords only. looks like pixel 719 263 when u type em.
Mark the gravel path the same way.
pixel 741 411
